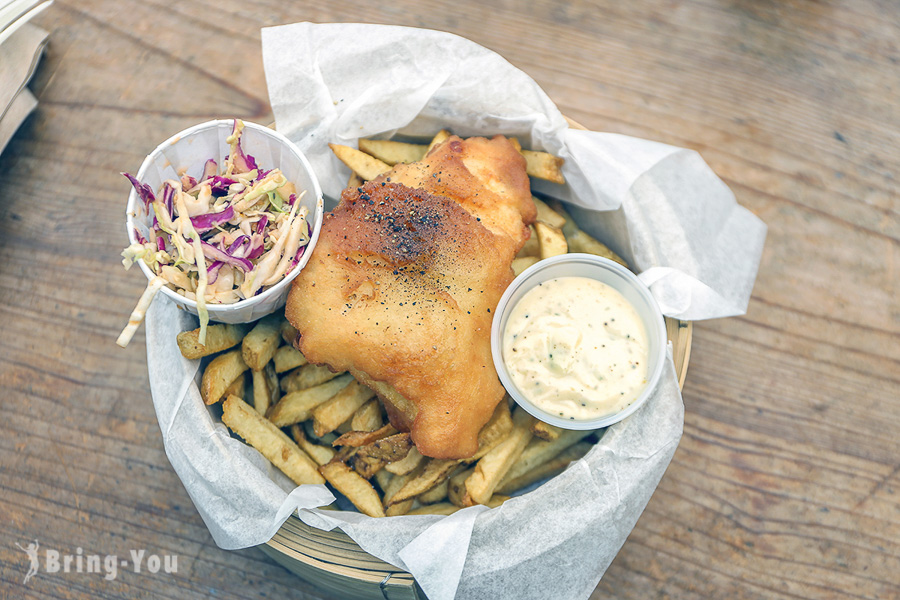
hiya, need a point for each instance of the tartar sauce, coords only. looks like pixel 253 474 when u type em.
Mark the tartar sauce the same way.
pixel 576 348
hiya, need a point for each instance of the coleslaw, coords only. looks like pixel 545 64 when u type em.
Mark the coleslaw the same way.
pixel 221 238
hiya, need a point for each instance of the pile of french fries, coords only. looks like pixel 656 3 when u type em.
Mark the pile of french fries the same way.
pixel 317 426
pixel 375 157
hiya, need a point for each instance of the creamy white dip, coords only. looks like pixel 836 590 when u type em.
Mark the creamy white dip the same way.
pixel 576 348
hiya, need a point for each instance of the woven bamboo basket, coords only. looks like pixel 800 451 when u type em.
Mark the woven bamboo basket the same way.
pixel 332 561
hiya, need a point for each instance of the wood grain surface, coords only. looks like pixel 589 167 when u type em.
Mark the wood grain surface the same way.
pixel 787 481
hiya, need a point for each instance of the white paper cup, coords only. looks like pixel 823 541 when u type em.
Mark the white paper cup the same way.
pixel 190 149
pixel 604 271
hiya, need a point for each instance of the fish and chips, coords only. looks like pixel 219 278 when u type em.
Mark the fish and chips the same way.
pixel 380 382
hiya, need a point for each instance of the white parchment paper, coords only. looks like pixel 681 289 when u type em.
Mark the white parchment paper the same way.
pixel 661 207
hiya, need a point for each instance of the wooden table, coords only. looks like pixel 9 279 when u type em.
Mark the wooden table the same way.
pixel 787 481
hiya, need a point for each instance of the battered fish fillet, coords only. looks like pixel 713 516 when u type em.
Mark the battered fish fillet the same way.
pixel 401 287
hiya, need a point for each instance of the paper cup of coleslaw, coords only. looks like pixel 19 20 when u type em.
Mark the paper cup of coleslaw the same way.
pixel 186 153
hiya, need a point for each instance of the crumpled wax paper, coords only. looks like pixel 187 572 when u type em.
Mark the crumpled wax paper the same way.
pixel 660 207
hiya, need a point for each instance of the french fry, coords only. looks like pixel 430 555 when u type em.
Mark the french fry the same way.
pixel 344 454
pixel 551 239
pixel 367 167
pixel 496 500
pixel 406 465
pixel 494 431
pixel 532 246
pixel 265 389
pixel 272 384
pixel 547 215
pixel 218 338
pixel 539 451
pixel 391 152
pixel 321 454
pixel 537 164
pixel 310 432
pixel 359 491
pixel 456 486
pixel 544 166
pixel 298 406
pixel 366 466
pixel 306 376
pixel 383 478
pixel 362 438
pixel 441 135
pixel 341 407
pixel 443 508
pixel 389 485
pixel 371 458
pixel 260 344
pixel 582 242
pixel 220 373
pixel 238 387
pixel 520 264
pixel 354 181
pixel 288 333
pixel 270 441
pixel 389 448
pixel 579 241
pixel 545 431
pixel 287 358
pixel 494 465
pixel 399 508
pixel 550 468
pixel 392 486
pixel 436 494
pixel 393 509
pixel 423 479
pixel 367 417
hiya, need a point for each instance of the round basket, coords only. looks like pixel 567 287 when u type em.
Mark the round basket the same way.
pixel 332 561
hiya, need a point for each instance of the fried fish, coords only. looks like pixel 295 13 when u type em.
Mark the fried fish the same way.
pixel 401 287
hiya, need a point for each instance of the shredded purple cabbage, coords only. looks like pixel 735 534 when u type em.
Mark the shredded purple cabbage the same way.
pixel 301 250
pixel 242 162
pixel 160 242
pixel 168 199
pixel 212 272
pixel 143 190
pixel 256 251
pixel 140 238
pixel 237 246
pixel 210 168
pixel 213 253
pixel 220 185
pixel 187 183
pixel 296 259
pixel 209 221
